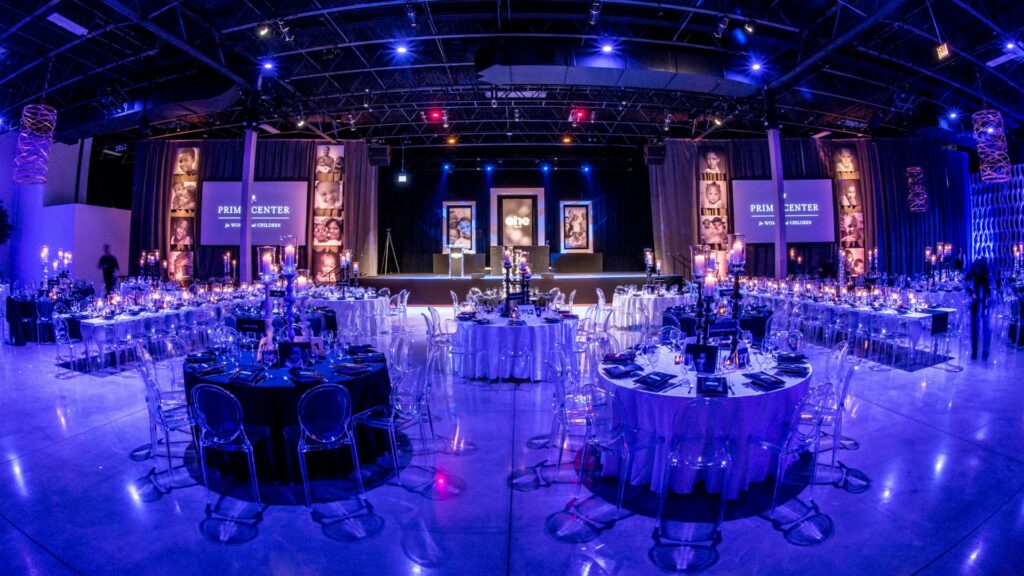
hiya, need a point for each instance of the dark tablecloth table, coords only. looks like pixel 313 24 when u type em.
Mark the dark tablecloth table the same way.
pixel 686 321
pixel 274 403
pixel 22 315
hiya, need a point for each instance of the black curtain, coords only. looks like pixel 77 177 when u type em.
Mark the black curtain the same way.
pixel 412 210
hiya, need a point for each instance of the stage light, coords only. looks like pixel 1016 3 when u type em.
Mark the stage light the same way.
pixel 749 27
pixel 718 121
pixel 444 118
pixel 566 139
pixel 756 66
pixel 488 168
pixel 953 115
pixel 263 30
pixel 585 168
pixel 545 167
pixel 595 12
pixel 1011 45
pixel 942 51
pixel 268 65
pixel 607 48
pixel 300 123
pixel 452 140
pixel 402 49
pixel 447 167
pixel 435 114
pixel 403 177
pixel 723 24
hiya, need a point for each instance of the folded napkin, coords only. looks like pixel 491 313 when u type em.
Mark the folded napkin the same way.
pixel 656 381
pixel 712 386
pixel 248 376
pixel 369 358
pixel 553 320
pixel 207 369
pixel 482 321
pixel 352 369
pixel 620 370
pixel 793 369
pixel 570 317
pixel 765 381
pixel 359 349
pixel 517 322
pixel 620 358
pixel 305 375
pixel 790 357
pixel 200 357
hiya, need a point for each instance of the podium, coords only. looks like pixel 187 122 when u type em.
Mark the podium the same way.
pixel 456 262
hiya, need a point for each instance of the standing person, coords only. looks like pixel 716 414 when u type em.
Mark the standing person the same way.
pixel 979 286
pixel 108 264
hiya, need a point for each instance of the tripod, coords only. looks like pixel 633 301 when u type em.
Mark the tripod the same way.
pixel 389 249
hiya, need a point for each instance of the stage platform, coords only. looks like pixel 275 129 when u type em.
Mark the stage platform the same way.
pixel 432 289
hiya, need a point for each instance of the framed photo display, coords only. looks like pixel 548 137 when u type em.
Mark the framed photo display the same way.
pixel 458 226
pixel 577 230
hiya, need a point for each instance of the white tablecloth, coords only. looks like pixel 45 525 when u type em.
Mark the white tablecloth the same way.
pixel 627 306
pixel 374 313
pixel 477 348
pixel 93 329
pixel 746 414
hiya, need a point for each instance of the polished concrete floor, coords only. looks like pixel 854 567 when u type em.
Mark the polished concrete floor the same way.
pixel 943 455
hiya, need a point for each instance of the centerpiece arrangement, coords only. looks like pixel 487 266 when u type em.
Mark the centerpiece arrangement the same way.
pixel 521 278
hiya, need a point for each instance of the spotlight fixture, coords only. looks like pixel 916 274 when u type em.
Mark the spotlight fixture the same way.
pixel 447 167
pixel 410 13
pixel 545 167
pixel 402 49
pixel 488 167
pixel 953 115
pixel 444 118
pixel 1011 45
pixel 263 30
pixel 452 140
pixel 756 66
pixel 566 139
pixel 268 65
pixel 585 168
pixel 668 121
pixel 718 121
pixel 300 123
pixel 595 12
pixel 749 27
pixel 607 48
pixel 515 114
pixel 403 177
pixel 942 51
pixel 285 31
pixel 723 24
pixel 351 122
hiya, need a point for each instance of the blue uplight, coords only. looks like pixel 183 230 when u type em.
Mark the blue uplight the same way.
pixel 488 168
pixel 545 167
pixel 447 167
pixel 402 49
pixel 585 168
pixel 268 65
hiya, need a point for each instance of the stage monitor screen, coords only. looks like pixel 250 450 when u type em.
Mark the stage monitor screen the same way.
pixel 808 209
pixel 279 210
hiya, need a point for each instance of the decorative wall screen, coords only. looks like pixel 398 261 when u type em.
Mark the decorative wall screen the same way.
pixel 997 217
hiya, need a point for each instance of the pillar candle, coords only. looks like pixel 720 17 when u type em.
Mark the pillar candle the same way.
pixel 266 264
pixel 710 285
pixel 355 268
pixel 289 257
pixel 699 265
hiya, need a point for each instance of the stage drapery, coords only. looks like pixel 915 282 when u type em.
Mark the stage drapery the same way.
pixel 889 225
pixel 222 160
pixel 361 206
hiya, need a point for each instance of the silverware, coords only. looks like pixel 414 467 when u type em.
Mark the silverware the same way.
pixel 676 385
pixel 691 387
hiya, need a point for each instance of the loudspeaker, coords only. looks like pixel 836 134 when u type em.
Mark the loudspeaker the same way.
pixel 379 155
pixel 654 154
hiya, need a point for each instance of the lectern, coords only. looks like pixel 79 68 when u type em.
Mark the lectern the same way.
pixel 456 262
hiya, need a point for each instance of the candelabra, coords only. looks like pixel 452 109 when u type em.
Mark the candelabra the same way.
pixel 507 265
pixel 267 277
pixel 699 256
pixel 737 262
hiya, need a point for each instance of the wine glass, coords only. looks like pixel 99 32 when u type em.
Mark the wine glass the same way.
pixel 651 352
pixel 328 336
pixel 687 366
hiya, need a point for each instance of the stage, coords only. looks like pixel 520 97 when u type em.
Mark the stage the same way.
pixel 432 289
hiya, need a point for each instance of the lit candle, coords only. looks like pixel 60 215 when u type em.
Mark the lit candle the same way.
pixel 44 256
pixel 699 265
pixel 355 268
pixel 54 265
pixel 289 257
pixel 657 267
pixel 508 256
pixel 266 264
pixel 710 286
pixel 300 283
pixel 736 255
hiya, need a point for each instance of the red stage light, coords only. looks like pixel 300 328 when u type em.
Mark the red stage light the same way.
pixel 435 114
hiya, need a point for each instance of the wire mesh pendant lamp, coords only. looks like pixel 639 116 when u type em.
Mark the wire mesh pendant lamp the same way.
pixel 917 192
pixel 32 156
pixel 992 151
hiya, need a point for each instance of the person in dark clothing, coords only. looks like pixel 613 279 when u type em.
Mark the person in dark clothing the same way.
pixel 108 264
pixel 979 286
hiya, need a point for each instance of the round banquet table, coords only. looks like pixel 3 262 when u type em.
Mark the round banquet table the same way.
pixel 747 413
pixel 627 307
pixel 374 312
pixel 478 347
pixel 274 403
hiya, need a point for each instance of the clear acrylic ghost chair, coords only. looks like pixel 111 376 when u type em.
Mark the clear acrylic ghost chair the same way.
pixel 325 422
pixel 699 448
pixel 799 434
pixel 167 410
pixel 219 416
pixel 64 342
pixel 405 408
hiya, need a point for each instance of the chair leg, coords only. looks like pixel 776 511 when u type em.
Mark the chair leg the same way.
pixel 167 446
pixel 359 471
pixel 394 453
pixel 626 465
pixel 778 484
pixel 583 467
pixel 206 479
pixel 305 480
pixel 255 480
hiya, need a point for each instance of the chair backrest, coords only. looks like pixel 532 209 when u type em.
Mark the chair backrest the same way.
pixel 436 317
pixel 405 297
pixel 695 440
pixel 455 299
pixel 407 392
pixel 670 335
pixel 400 353
pixel 600 297
pixel 394 301
pixel 325 413
pixel 572 296
pixel 834 361
pixel 218 413
pixel 61 332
